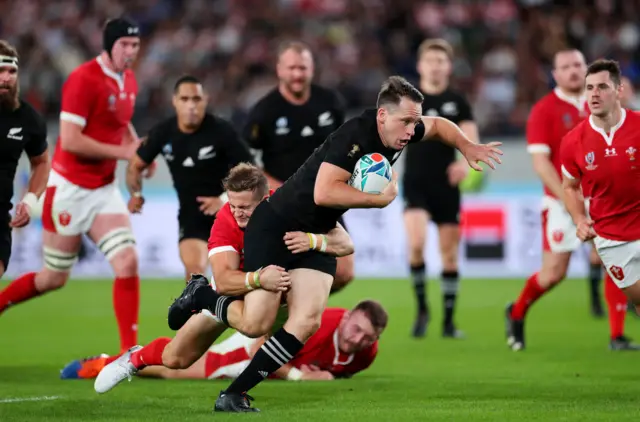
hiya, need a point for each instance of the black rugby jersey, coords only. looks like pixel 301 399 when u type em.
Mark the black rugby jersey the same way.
pixel 343 148
pixel 287 133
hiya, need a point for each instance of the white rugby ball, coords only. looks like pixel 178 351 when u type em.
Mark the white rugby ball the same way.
pixel 371 174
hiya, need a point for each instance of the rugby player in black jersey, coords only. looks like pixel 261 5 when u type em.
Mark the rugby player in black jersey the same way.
pixel 430 184
pixel 291 121
pixel 313 199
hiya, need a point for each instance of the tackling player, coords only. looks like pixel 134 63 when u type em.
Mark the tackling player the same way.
pixel 551 118
pixel 430 185
pixel 345 344
pixel 246 187
pixel 199 149
pixel 602 154
pixel 25 130
pixel 81 196
pixel 291 121
pixel 312 200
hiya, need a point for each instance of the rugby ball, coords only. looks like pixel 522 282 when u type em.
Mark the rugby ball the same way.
pixel 371 174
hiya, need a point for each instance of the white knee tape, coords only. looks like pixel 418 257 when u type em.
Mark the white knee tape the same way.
pixel 56 260
pixel 115 241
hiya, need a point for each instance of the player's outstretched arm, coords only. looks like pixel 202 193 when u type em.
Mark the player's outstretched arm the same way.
pixel 331 190
pixel 440 128
pixel 73 140
pixel 337 242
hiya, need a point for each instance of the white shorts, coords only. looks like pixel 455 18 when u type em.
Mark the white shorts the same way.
pixel 69 209
pixel 621 259
pixel 559 232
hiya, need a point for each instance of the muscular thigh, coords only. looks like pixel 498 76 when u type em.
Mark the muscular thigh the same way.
pixel 309 292
pixel 193 253
pixel 260 309
pixel 263 240
pixel 195 337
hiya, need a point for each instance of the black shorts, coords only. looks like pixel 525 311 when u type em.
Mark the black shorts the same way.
pixel 440 200
pixel 264 244
pixel 194 225
pixel 5 241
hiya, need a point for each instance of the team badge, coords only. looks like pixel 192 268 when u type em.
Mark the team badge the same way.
pixel 590 158
pixel 557 236
pixel 64 218
pixel 631 151
pixel 616 272
pixel 354 150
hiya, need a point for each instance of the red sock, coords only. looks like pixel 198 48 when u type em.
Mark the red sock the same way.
pixel 151 354
pixel 530 293
pixel 617 304
pixel 21 289
pixel 126 302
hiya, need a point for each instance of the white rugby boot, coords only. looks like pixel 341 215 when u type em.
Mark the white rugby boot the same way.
pixel 116 372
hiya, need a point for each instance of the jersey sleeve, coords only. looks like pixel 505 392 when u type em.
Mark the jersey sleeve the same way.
pixel 253 131
pixel 418 133
pixel 37 144
pixel 236 150
pixel 152 145
pixel 77 99
pixel 569 167
pixel 222 237
pixel 538 131
pixel 343 149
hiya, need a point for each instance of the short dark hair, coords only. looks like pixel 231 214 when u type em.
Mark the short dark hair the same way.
pixel 246 177
pixel 604 65
pixel 374 312
pixel 186 79
pixel 437 44
pixel 295 45
pixel 396 87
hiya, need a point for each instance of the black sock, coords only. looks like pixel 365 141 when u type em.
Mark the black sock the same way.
pixel 595 277
pixel 274 353
pixel 449 286
pixel 418 277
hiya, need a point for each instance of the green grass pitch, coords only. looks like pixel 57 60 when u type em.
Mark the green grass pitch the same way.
pixel 567 373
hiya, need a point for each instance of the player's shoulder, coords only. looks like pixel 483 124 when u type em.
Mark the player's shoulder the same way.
pixel 453 94
pixel 29 114
pixel 548 101
pixel 331 315
pixel 87 70
pixel 575 135
pixel 323 94
pixel 165 126
pixel 359 125
pixel 214 122
pixel 267 102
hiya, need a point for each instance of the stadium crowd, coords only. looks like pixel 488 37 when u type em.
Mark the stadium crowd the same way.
pixel 503 47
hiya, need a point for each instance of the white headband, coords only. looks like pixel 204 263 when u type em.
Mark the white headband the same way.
pixel 9 61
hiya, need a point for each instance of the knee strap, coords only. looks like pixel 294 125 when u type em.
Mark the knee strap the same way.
pixel 60 261
pixel 115 241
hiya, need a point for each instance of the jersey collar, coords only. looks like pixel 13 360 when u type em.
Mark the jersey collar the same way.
pixel 608 137
pixel 577 102
pixel 110 73
pixel 336 359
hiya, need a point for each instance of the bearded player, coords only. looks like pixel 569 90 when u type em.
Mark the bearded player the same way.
pixel 345 344
pixel 601 155
pixel 82 197
pixel 246 186
pixel 551 118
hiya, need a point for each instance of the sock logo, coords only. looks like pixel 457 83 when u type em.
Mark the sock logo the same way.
pixel 264 374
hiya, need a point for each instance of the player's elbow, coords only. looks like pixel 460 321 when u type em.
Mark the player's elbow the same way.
pixel 346 249
pixel 321 195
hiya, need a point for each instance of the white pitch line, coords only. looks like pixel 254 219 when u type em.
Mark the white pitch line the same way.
pixel 21 399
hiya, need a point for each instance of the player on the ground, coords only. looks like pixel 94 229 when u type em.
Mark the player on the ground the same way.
pixel 24 130
pixel 81 195
pixel 430 185
pixel 312 200
pixel 551 118
pixel 603 154
pixel 246 186
pixel 291 121
pixel 345 344
pixel 199 149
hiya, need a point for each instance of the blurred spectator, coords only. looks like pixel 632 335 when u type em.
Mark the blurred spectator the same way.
pixel 504 47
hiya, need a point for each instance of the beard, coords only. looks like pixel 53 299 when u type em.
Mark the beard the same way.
pixel 298 93
pixel 9 99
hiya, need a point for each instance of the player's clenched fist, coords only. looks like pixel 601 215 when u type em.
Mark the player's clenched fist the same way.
pixel 390 192
pixel 274 279
pixel 135 204
pixel 584 230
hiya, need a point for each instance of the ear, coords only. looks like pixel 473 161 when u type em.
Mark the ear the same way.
pixel 174 101
pixel 382 114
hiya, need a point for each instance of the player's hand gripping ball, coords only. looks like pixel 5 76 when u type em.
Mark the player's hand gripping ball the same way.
pixel 371 174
